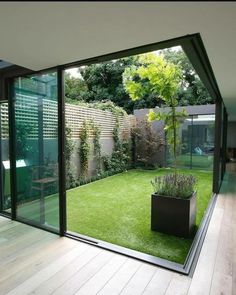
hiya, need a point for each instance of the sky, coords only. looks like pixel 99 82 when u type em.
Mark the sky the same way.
pixel 74 72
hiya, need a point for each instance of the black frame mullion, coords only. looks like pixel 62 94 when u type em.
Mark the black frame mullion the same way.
pixel 61 151
pixel 217 149
pixel 191 148
pixel 224 144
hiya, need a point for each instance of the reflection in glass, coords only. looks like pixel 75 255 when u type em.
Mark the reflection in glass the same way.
pixel 196 137
pixel 36 127
pixel 203 141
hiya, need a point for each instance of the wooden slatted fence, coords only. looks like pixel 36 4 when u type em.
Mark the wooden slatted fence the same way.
pixel 28 110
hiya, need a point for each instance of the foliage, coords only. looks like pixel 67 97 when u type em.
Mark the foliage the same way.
pixel 162 79
pixel 172 120
pixel 146 144
pixel 107 105
pixel 116 137
pixel 69 148
pixel 103 105
pixel 75 88
pixel 171 185
pixel 105 165
pixel 84 149
pixel 117 162
pixel 120 158
pixel 103 83
pixel 97 145
pixel 191 91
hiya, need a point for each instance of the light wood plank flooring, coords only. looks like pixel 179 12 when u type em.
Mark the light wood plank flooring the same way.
pixel 33 261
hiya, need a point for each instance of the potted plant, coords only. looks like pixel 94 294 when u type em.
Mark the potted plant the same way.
pixel 173 204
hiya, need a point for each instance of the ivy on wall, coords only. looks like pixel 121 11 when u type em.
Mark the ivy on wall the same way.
pixel 106 165
pixel 97 146
pixel 84 149
pixel 69 148
pixel 120 159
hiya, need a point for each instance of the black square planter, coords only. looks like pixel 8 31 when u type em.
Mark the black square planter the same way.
pixel 173 216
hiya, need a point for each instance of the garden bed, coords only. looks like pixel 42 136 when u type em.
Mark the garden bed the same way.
pixel 117 210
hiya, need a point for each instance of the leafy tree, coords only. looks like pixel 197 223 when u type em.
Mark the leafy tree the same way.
pixel 75 88
pixel 84 148
pixel 146 144
pixel 103 82
pixel 162 79
pixel 97 145
pixel 192 91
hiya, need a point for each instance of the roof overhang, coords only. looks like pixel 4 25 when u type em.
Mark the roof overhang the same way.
pixel 38 35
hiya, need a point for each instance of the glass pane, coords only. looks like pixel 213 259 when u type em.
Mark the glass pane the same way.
pixel 196 137
pixel 184 154
pixel 36 127
pixel 4 156
pixel 203 141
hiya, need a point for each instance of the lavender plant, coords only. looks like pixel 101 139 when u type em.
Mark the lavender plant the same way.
pixel 178 186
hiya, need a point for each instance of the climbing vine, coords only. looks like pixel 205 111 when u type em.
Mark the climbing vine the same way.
pixel 69 148
pixel 120 158
pixel 116 137
pixel 97 145
pixel 84 149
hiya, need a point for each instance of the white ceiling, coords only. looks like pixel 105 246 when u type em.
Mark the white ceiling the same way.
pixel 39 35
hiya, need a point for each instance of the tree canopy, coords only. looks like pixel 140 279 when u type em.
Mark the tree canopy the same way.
pixel 192 91
pixel 104 82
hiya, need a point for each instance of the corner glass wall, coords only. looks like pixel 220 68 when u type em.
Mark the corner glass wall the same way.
pixel 36 146
pixel 196 142
pixel 203 127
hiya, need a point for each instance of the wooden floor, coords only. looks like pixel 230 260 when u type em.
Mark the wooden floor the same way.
pixel 33 261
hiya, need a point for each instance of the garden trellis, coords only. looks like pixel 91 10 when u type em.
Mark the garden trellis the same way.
pixel 27 114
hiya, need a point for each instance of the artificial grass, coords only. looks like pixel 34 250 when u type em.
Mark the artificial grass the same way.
pixel 117 210
pixel 198 161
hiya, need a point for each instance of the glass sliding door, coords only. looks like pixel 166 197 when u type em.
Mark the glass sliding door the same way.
pixel 5 192
pixel 185 151
pixel 203 128
pixel 196 143
pixel 36 149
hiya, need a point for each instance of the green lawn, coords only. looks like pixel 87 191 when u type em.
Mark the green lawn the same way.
pixel 198 161
pixel 117 210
